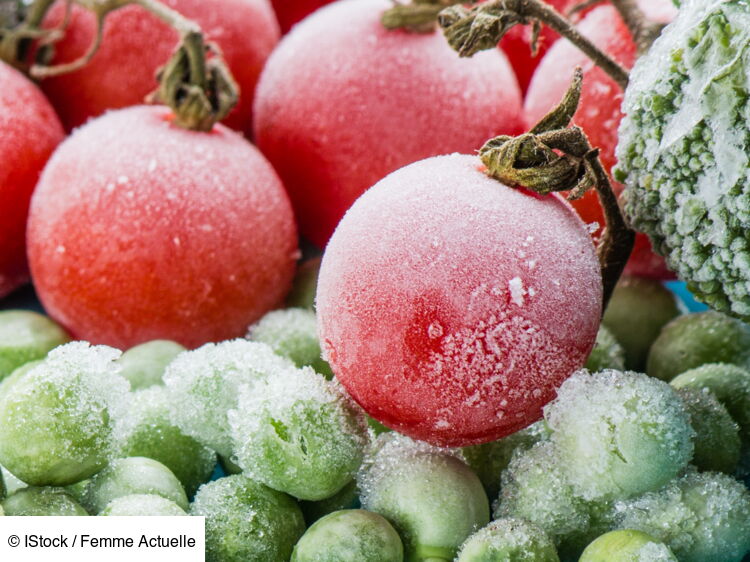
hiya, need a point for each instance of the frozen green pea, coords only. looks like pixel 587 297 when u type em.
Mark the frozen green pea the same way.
pixel 247 521
pixel 701 517
pixel 534 488
pixel 717 439
pixel 11 483
pixel 344 536
pixel 204 384
pixel 3 489
pixel 133 475
pixel 431 497
pixel 607 353
pixel 346 498
pixel 731 386
pixel 508 540
pixel 228 466
pixel 298 433
pixel 627 545
pixel 376 427
pixel 18 374
pixel 292 333
pixel 619 434
pixel 42 501
pixel 147 431
pixel 635 315
pixel 490 459
pixel 305 284
pixel 144 364
pixel 26 336
pixel 142 504
pixel 58 417
pixel 693 340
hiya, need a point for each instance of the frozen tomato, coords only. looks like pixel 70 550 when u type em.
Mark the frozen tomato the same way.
pixel 342 102
pixel 451 306
pixel 289 12
pixel 141 230
pixel 29 132
pixel 135 44
pixel 599 112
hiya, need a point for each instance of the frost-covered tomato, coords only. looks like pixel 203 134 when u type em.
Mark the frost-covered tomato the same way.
pixel 451 306
pixel 135 44
pixel 599 112
pixel 343 102
pixel 141 230
pixel 29 132
pixel 289 12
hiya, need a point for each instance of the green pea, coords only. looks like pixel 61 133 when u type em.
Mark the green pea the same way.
pixel 247 521
pixel 133 475
pixel 346 498
pixel 508 540
pixel 344 536
pixel 696 339
pixel 42 501
pixel 26 336
pixel 607 352
pixel 627 545
pixel 292 333
pixel 432 498
pixel 142 504
pixel 144 364
pixel 635 315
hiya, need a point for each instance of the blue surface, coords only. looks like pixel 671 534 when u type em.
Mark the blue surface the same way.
pixel 680 289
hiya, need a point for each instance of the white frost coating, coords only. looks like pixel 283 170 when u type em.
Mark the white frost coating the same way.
pixel 517 290
pixel 205 383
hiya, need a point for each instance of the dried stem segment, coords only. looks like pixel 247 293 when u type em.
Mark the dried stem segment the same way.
pixel 419 16
pixel 643 30
pixel 555 157
pixel 471 30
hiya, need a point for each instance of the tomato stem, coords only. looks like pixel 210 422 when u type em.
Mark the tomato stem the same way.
pixel 643 30
pixel 471 30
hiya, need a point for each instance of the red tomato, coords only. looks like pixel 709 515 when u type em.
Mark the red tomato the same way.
pixel 599 112
pixel 136 44
pixel 365 101
pixel 451 307
pixel 290 12
pixel 141 230
pixel 29 132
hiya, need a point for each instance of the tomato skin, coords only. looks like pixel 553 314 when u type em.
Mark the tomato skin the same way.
pixel 365 101
pixel 289 12
pixel 454 320
pixel 136 44
pixel 140 230
pixel 29 132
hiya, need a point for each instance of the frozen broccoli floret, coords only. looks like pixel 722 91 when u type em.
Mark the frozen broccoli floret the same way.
pixel 204 385
pixel 298 433
pixel 508 539
pixel 429 495
pixel 683 154
pixel 702 517
pixel 144 364
pixel 619 434
pixel 292 333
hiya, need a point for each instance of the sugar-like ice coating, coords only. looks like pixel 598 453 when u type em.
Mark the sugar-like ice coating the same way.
pixel 298 433
pixel 627 546
pixel 132 475
pixel 508 539
pixel 26 336
pixel 142 230
pixel 143 365
pixel 247 521
pixel 42 501
pixel 29 132
pixel 147 430
pixel 429 495
pixel 534 488
pixel 619 434
pixel 292 333
pixel 58 417
pixel 702 517
pixel 136 43
pixel 204 385
pixel 142 504
pixel 366 101
pixel 451 306
pixel 353 534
